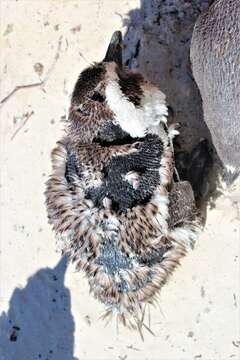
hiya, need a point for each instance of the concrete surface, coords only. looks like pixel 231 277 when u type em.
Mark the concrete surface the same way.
pixel 47 312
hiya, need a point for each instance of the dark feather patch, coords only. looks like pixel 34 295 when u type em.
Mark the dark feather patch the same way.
pixel 111 134
pixel 113 261
pixel 96 96
pixel 72 168
pixel 145 161
pixel 130 85
pixel 87 82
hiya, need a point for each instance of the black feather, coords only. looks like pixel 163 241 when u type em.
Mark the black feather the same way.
pixel 112 134
pixel 145 161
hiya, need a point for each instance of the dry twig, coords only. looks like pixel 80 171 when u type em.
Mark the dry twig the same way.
pixel 36 84
pixel 27 116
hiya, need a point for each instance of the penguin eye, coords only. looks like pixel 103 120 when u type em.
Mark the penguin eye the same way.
pixel 96 96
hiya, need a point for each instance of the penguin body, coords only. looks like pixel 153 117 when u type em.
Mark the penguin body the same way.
pixel 111 198
pixel 215 63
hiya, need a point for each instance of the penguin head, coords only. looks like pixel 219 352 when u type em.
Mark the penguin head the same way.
pixel 110 102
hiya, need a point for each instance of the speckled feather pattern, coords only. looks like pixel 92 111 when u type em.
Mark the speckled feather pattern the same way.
pixel 108 195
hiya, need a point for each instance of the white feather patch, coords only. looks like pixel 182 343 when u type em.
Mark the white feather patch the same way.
pixel 186 235
pixel 133 178
pixel 135 121
pixel 154 106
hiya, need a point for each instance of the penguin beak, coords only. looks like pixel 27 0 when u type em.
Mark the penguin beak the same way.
pixel 114 51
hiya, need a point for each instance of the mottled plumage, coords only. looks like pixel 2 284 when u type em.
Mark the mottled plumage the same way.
pixel 111 198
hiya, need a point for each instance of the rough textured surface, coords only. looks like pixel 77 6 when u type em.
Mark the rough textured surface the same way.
pixel 216 69
pixel 199 309
pixel 158 44
pixel 113 214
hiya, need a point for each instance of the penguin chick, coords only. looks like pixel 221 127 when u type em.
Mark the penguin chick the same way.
pixel 109 195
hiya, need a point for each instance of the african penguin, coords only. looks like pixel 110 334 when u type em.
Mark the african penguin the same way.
pixel 111 197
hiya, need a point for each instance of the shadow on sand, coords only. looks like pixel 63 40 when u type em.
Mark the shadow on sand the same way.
pixel 157 43
pixel 39 323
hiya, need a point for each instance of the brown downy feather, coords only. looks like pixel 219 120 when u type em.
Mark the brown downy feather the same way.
pixel 128 242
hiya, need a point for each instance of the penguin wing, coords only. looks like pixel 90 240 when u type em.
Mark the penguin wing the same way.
pixel 182 207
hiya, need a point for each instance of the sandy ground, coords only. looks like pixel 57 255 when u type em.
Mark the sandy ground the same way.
pixel 46 310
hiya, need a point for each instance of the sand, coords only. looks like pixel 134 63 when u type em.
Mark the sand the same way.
pixel 46 309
